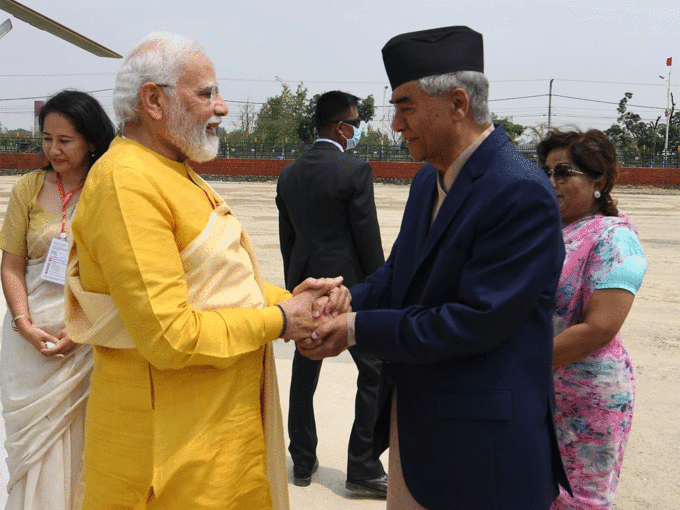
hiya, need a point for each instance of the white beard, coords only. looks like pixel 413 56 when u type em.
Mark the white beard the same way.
pixel 191 138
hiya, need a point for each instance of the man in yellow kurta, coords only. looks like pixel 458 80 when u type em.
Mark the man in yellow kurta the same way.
pixel 163 281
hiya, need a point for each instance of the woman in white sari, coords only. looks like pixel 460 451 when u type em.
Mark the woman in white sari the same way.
pixel 44 376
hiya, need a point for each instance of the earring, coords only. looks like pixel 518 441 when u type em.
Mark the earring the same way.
pixel 597 194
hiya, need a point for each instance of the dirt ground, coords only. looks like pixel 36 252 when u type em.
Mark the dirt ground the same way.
pixel 651 470
pixel 650 477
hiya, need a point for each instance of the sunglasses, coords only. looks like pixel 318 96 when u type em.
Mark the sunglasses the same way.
pixel 562 172
pixel 351 122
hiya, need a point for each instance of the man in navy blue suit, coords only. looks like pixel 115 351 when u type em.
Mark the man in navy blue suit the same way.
pixel 461 311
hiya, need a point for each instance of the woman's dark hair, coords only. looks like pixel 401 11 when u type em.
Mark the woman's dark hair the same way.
pixel 593 153
pixel 87 116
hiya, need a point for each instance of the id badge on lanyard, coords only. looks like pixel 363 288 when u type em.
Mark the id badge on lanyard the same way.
pixel 54 269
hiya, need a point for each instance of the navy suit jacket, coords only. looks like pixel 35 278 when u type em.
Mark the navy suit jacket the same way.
pixel 462 315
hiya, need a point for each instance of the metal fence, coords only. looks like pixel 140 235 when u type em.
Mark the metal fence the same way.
pixel 399 153
pixel 366 152
pixel 14 144
pixel 670 160
pixel 291 151
pixel 626 159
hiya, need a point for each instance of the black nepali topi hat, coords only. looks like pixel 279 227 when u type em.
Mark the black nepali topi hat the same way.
pixel 416 55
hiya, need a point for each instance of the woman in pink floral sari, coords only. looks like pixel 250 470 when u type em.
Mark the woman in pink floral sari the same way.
pixel 603 269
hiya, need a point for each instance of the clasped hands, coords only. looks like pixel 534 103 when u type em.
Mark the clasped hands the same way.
pixel 317 317
pixel 55 347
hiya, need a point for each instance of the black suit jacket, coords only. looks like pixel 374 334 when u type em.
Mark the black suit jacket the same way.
pixel 327 218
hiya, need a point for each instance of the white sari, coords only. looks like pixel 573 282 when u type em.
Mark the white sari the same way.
pixel 43 400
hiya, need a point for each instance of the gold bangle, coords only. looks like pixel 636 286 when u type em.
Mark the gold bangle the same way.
pixel 22 316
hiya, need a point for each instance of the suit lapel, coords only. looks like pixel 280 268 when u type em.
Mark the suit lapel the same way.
pixel 415 230
pixel 454 201
pixel 426 238
pixel 422 233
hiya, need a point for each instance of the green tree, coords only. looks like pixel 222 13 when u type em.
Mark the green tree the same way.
pixel 366 108
pixel 513 130
pixel 280 116
pixel 288 118
pixel 307 127
pixel 673 129
pixel 631 135
pixel 373 136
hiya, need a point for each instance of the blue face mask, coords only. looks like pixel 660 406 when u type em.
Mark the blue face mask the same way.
pixel 354 141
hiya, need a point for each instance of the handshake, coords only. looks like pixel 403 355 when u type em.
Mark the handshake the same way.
pixel 316 317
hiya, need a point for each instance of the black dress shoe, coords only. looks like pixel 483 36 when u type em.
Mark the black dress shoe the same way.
pixel 377 486
pixel 304 479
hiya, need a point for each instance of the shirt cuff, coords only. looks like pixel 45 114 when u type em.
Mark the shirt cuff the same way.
pixel 273 322
pixel 351 332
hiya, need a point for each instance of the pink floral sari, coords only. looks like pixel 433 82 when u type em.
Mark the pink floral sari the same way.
pixel 594 396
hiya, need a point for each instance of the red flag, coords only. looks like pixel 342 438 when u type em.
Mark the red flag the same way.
pixel 669 61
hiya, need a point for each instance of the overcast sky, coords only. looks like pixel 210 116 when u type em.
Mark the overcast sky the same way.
pixel 595 50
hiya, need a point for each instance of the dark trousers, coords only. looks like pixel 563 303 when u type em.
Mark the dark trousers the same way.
pixel 302 426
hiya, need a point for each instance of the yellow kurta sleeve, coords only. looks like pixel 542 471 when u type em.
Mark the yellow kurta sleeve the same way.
pixel 274 294
pixel 16 223
pixel 136 214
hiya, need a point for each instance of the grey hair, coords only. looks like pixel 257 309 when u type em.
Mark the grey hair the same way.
pixel 473 82
pixel 158 58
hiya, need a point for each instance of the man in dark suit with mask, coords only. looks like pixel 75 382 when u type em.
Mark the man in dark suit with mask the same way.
pixel 327 227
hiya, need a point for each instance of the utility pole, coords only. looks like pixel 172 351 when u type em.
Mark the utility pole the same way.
pixel 382 121
pixel 550 103
pixel 382 125
pixel 668 113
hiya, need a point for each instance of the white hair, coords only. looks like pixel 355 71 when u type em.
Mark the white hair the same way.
pixel 158 58
pixel 473 83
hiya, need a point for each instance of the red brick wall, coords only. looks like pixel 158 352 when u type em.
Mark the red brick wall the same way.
pixel 231 166
pixel 650 176
pixel 381 169
pixel 394 169
pixel 398 170
pixel 20 161
pixel 273 167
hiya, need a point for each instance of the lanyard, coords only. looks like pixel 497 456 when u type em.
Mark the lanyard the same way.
pixel 65 197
